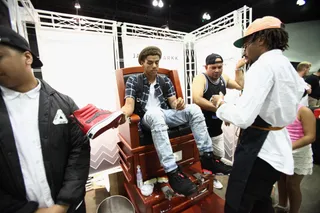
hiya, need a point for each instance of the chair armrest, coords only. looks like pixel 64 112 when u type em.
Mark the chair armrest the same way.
pixel 129 132
pixel 134 119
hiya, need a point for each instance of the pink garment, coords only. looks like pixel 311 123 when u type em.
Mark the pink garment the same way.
pixel 295 129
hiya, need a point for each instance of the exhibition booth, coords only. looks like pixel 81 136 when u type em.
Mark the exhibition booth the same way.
pixel 81 56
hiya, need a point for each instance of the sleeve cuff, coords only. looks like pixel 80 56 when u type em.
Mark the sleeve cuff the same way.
pixel 171 94
pixel 220 110
pixel 129 96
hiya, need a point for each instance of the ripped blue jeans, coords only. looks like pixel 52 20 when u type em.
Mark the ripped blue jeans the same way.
pixel 158 120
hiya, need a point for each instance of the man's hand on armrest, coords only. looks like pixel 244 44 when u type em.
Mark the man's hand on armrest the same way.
pixel 127 110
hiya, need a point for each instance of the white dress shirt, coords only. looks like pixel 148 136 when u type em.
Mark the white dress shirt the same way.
pixel 23 111
pixel 273 90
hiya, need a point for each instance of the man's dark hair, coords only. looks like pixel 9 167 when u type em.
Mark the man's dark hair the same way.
pixel 151 50
pixel 318 70
pixel 274 38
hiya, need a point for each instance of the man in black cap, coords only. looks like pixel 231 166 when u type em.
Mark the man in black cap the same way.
pixel 210 83
pixel 44 156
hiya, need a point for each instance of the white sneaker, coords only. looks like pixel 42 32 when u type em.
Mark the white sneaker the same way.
pixel 226 161
pixel 281 209
pixel 217 184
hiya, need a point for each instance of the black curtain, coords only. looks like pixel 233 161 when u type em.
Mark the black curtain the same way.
pixel 295 64
pixel 4 15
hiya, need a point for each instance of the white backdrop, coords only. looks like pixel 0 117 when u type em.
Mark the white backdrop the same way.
pixel 81 65
pixel 222 43
pixel 172 54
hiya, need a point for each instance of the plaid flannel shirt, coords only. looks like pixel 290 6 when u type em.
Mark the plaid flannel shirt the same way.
pixel 131 86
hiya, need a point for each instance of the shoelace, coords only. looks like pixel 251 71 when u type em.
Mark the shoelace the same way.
pixel 179 176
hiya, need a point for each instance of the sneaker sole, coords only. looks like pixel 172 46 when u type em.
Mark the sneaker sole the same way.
pixel 218 188
pixel 190 192
pixel 222 174
pixel 103 125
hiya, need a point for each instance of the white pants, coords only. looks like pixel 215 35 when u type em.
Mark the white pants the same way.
pixel 218 145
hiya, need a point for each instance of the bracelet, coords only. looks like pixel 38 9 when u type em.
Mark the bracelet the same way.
pixel 239 69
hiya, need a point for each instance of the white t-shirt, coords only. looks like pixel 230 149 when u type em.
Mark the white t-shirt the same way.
pixel 273 90
pixel 153 101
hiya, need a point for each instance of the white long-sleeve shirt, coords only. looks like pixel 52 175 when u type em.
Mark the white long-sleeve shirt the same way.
pixel 273 90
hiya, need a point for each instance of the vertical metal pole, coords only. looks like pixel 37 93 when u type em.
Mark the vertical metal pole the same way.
pixel 116 45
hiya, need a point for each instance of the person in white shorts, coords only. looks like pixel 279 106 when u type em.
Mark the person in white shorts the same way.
pixel 302 133
pixel 210 83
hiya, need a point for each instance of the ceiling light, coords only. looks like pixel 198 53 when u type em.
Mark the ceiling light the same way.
pixel 301 2
pixel 155 3
pixel 206 16
pixel 77 5
pixel 160 4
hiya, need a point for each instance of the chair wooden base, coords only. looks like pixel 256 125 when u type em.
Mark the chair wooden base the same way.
pixel 210 204
pixel 147 158
pixel 134 153
pixel 157 203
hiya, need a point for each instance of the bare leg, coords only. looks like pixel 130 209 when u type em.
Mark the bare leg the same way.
pixel 294 192
pixel 282 190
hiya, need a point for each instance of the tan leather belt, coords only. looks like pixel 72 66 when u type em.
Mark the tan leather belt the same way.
pixel 271 128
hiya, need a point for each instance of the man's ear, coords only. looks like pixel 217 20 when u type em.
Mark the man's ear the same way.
pixel 261 41
pixel 29 58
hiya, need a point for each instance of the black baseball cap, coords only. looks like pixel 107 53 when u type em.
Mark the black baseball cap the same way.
pixel 10 38
pixel 212 59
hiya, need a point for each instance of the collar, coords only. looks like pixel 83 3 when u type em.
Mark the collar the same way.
pixel 272 52
pixel 11 94
pixel 146 82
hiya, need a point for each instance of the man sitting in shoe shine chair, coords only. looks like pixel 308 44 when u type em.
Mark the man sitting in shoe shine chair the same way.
pixel 160 110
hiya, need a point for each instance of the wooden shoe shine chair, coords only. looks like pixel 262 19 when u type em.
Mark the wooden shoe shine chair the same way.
pixel 136 148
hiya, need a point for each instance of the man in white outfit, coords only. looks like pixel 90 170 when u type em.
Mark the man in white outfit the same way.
pixel 269 102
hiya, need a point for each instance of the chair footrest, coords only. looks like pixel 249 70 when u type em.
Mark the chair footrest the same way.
pixel 157 202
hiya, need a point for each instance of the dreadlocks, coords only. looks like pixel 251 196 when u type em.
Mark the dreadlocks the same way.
pixel 273 38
